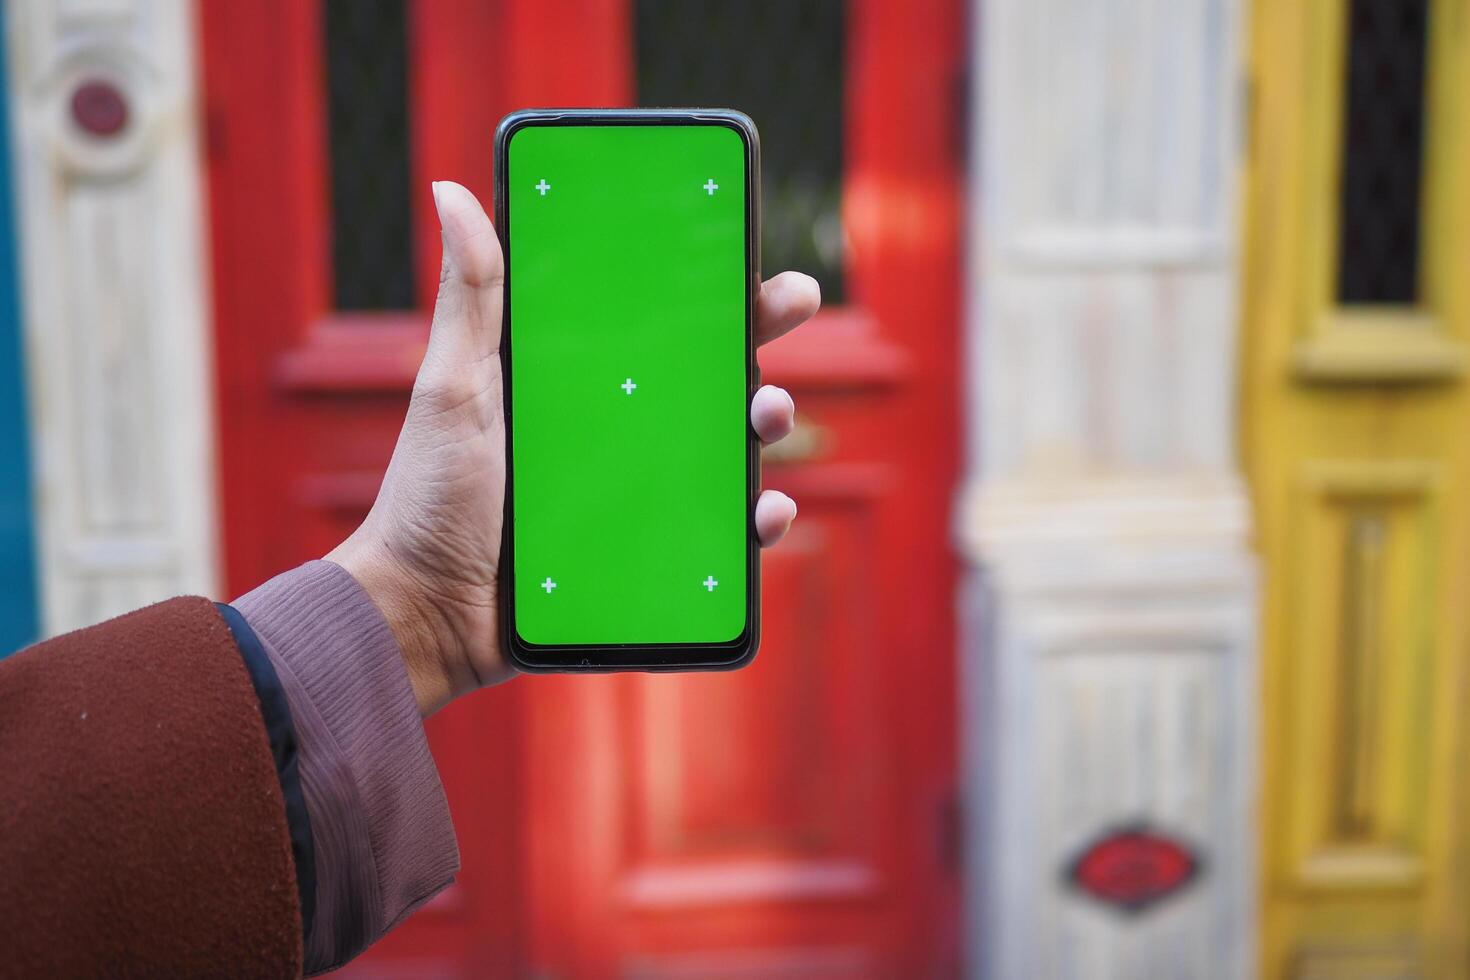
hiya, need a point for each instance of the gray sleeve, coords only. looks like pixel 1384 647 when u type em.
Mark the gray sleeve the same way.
pixel 380 823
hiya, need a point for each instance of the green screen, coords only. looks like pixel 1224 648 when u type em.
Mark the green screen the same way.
pixel 628 383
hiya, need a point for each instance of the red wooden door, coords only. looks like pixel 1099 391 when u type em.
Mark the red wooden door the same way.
pixel 795 818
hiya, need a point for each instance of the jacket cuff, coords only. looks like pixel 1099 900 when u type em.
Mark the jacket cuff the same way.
pixel 380 823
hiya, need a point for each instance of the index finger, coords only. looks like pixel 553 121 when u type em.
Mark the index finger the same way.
pixel 786 301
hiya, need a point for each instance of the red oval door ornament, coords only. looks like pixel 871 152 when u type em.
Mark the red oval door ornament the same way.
pixel 99 108
pixel 1133 868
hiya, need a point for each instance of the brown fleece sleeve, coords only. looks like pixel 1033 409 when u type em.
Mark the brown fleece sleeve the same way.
pixel 142 830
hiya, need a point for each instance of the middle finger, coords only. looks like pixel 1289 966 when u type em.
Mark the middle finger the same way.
pixel 772 413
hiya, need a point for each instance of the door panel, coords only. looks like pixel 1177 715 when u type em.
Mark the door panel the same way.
pixel 748 767
pixel 787 819
pixel 1357 321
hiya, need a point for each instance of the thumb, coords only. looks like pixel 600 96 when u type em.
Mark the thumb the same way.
pixel 471 277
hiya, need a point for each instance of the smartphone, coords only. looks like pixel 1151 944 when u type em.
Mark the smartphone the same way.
pixel 631 255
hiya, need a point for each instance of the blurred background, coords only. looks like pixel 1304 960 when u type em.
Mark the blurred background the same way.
pixel 1122 631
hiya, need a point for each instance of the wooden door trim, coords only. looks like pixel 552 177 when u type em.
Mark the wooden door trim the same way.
pixel 1368 344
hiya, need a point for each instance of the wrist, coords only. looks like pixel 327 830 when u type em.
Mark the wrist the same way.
pixel 419 630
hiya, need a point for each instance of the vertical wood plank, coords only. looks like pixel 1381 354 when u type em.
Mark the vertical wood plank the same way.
pixel 117 326
pixel 1110 648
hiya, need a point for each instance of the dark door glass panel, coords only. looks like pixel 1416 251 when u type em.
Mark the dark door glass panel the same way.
pixel 367 114
pixel 780 61
pixel 1383 148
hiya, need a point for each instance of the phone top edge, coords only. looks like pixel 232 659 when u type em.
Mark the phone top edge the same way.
pixel 732 118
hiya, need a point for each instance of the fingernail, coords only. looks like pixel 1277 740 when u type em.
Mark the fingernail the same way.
pixel 434 188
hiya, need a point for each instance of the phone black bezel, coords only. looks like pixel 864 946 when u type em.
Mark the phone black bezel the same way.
pixel 582 658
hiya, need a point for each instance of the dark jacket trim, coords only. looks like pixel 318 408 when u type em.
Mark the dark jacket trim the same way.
pixel 282 734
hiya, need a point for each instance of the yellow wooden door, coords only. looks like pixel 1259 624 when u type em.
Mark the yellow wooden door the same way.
pixel 1356 434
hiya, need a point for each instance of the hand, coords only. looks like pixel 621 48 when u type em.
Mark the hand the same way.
pixel 428 551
